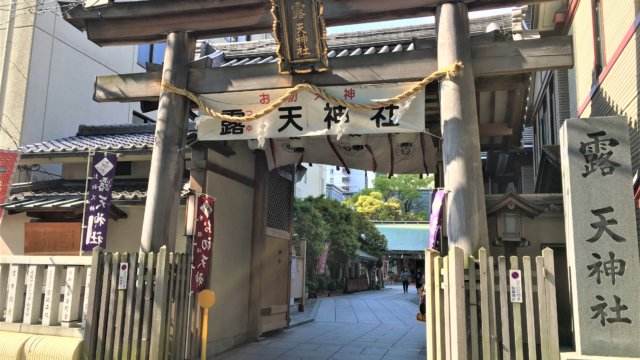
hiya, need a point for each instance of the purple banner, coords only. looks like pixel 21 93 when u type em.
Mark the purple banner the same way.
pixel 202 243
pixel 96 218
pixel 434 220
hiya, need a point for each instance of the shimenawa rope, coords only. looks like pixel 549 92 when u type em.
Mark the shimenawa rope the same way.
pixel 447 72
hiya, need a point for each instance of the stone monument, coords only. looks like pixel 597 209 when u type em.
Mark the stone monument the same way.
pixel 602 242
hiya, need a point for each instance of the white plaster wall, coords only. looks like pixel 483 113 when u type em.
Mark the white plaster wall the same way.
pixel 231 260
pixel 124 234
pixel 12 234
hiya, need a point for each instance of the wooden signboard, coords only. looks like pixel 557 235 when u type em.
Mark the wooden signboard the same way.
pixel 299 30
pixel 52 238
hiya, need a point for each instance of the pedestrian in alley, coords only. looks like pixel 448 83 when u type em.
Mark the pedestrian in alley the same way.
pixel 418 281
pixel 404 277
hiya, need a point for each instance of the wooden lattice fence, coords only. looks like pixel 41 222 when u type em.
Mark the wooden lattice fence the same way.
pixel 469 314
pixel 150 318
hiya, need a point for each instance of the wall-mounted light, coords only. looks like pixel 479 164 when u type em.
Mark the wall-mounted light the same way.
pixel 190 215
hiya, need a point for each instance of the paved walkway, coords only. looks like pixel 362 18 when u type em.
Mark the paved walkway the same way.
pixel 369 325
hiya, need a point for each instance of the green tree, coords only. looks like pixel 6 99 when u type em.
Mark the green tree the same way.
pixel 320 221
pixel 309 225
pixel 404 187
pixel 371 240
pixel 375 208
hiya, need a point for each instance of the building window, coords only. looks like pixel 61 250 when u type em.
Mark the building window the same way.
pixel 123 168
pixel 151 53
pixel 598 39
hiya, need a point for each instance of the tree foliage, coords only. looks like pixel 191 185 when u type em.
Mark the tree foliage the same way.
pixel 403 187
pixel 371 240
pixel 391 199
pixel 320 220
pixel 375 208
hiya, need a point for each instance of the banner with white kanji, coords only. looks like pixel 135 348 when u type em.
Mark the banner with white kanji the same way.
pixel 202 243
pixel 306 114
pixel 96 219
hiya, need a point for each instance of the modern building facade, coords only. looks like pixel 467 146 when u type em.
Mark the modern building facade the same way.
pixel 48 69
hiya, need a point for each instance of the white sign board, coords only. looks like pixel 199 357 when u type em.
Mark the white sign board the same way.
pixel 515 285
pixel 306 114
pixel 122 277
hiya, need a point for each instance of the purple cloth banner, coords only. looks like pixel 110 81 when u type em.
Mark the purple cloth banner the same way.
pixel 96 218
pixel 434 220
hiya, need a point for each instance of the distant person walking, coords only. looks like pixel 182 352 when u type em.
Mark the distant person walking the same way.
pixel 418 281
pixel 404 277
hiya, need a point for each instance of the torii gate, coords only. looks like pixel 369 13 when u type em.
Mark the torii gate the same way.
pixel 181 23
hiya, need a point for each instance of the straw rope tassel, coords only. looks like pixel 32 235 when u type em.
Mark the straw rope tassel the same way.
pixel 448 72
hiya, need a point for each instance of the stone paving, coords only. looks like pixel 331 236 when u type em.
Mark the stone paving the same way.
pixel 369 325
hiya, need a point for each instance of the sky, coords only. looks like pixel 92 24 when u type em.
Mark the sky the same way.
pixel 407 22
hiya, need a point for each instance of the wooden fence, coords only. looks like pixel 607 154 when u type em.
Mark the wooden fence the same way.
pixel 125 306
pixel 146 314
pixel 470 315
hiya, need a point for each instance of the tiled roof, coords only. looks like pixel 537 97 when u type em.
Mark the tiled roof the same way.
pixel 67 190
pixel 126 137
pixel 362 255
pixel 553 153
pixel 348 44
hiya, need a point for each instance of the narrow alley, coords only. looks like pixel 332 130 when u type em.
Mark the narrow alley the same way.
pixel 368 325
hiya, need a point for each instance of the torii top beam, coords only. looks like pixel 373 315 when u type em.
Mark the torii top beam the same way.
pixel 150 21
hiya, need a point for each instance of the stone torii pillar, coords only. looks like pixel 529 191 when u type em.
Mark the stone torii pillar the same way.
pixel 466 211
pixel 159 226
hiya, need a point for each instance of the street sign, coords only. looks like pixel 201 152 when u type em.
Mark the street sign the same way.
pixel 515 283
pixel 123 275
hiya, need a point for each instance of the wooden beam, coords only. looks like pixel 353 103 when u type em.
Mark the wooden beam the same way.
pixel 149 21
pixel 495 129
pixel 497 59
pixel 501 82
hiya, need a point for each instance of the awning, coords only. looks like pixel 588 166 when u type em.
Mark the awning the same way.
pixel 405 236
pixel 73 204
pixel 57 196
pixel 363 256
